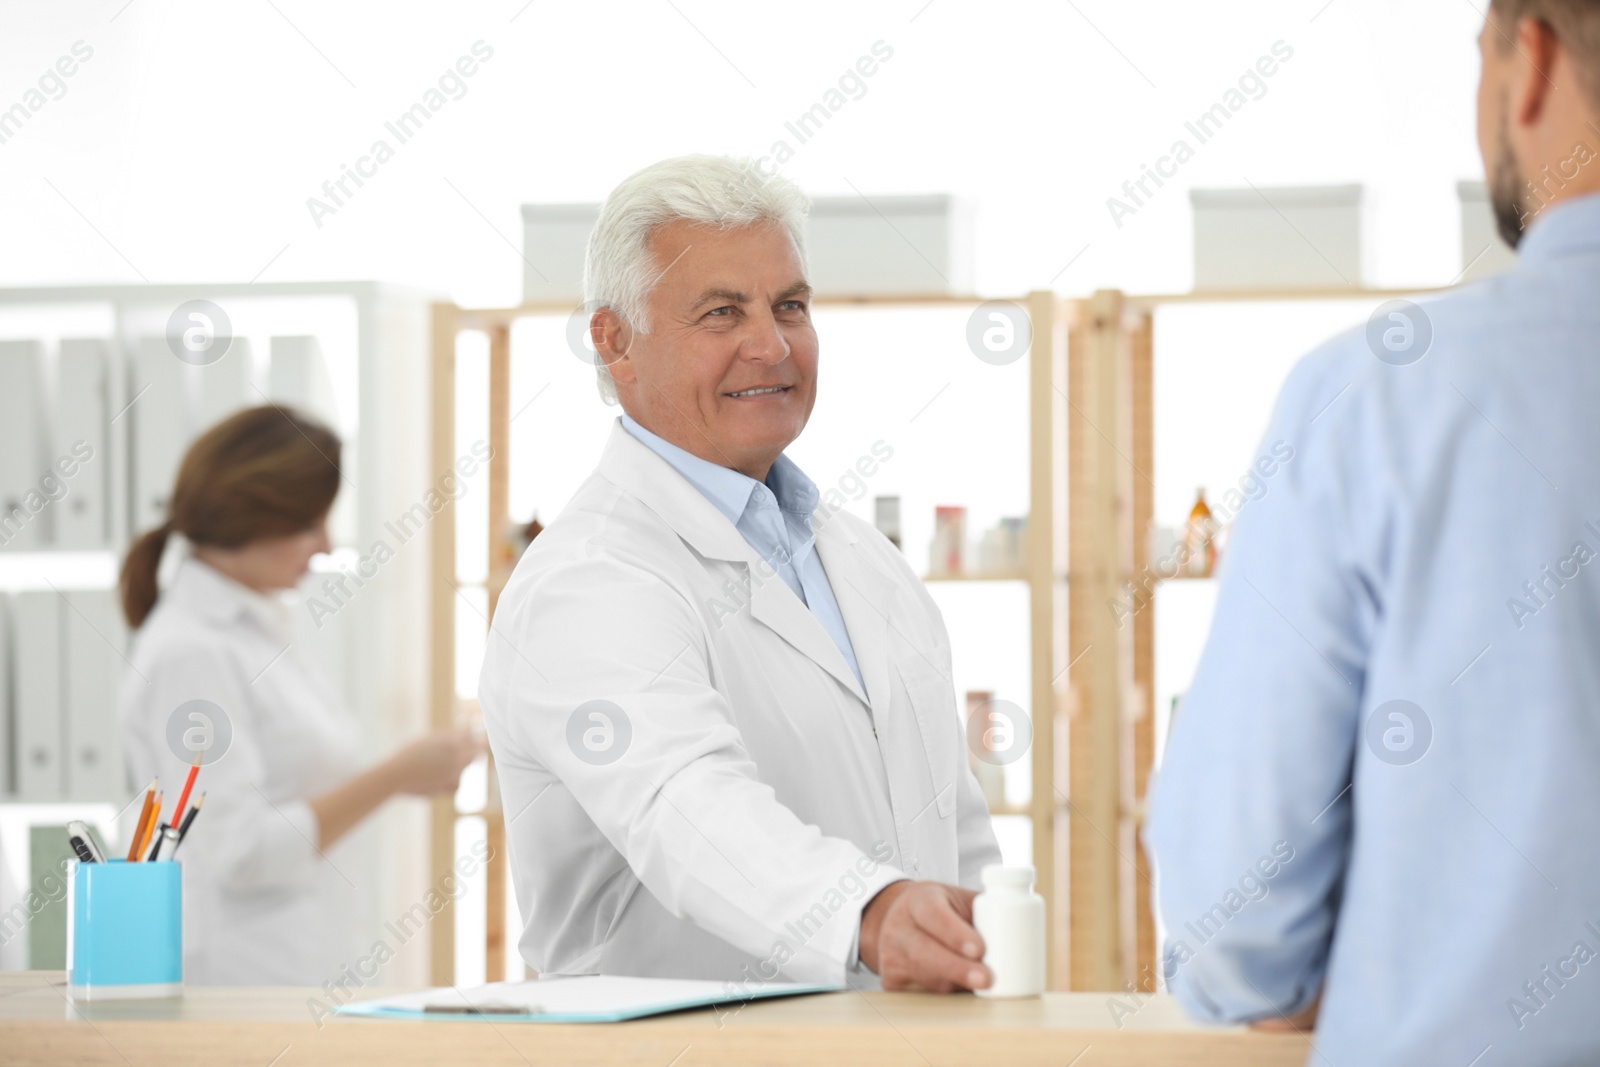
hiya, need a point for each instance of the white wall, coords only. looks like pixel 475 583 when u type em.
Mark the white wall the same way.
pixel 193 137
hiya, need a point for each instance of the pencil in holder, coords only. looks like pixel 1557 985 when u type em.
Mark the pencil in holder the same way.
pixel 125 930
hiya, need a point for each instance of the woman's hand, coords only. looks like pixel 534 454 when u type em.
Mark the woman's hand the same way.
pixel 433 763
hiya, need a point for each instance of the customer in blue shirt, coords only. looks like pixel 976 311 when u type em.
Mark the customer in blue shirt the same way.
pixel 1382 791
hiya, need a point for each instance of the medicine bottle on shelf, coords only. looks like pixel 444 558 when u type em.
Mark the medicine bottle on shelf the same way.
pixel 886 516
pixel 945 553
pixel 1200 538
pixel 1009 916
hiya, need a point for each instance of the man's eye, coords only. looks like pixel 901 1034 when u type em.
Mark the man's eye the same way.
pixel 792 305
pixel 729 308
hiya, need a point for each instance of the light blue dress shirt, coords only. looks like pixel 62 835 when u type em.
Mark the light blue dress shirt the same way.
pixel 775 519
pixel 1384 781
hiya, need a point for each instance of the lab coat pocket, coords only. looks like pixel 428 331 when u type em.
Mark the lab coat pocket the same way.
pixel 931 703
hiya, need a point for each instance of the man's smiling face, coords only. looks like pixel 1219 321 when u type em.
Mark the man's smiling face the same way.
pixel 728 371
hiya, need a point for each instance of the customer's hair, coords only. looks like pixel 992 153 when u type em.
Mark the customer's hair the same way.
pixel 1576 23
pixel 265 472
pixel 712 190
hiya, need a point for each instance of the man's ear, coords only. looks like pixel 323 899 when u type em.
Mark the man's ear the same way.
pixel 1537 49
pixel 612 338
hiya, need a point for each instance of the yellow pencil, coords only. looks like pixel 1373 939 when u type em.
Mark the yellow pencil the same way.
pixel 139 827
pixel 150 828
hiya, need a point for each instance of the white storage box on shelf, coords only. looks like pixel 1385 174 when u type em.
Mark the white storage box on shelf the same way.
pixel 1482 251
pixel 882 246
pixel 1303 237
pixel 891 245
pixel 554 240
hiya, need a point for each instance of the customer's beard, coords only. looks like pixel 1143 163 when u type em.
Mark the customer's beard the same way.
pixel 1505 185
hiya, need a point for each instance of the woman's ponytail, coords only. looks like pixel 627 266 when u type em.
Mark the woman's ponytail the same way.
pixel 137 584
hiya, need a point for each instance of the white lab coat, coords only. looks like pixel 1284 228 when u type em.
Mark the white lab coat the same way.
pixel 762 799
pixel 261 905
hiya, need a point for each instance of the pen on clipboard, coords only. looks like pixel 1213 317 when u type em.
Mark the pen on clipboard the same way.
pixel 481 1009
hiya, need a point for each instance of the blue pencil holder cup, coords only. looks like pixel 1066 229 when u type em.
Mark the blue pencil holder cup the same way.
pixel 125 930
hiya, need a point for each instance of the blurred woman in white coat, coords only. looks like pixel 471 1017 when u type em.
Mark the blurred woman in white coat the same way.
pixel 265 881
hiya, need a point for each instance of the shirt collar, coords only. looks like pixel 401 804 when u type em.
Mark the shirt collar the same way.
pixel 728 489
pixel 207 591
pixel 1570 226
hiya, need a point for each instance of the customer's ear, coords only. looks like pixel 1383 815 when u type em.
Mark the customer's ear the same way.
pixel 1536 46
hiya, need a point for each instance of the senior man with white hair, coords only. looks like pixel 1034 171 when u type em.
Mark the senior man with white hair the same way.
pixel 723 718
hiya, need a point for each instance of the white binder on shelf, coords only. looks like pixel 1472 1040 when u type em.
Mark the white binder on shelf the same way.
pixel 225 386
pixel 160 431
pixel 25 511
pixel 82 429
pixel 299 378
pixel 36 649
pixel 8 785
pixel 94 642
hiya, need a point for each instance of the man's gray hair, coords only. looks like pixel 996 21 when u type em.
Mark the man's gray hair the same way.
pixel 619 272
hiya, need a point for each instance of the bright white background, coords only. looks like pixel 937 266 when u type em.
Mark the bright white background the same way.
pixel 194 136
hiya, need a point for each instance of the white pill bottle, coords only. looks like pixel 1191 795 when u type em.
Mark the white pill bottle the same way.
pixel 1010 917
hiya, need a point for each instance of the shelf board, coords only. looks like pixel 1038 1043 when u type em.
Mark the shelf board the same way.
pixel 1011 809
pixel 993 576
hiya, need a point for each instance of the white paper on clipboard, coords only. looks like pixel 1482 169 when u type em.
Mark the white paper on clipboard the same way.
pixel 590 998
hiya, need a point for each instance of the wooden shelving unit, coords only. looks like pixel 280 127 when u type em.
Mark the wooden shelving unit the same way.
pixel 1091 497
pixel 1044 573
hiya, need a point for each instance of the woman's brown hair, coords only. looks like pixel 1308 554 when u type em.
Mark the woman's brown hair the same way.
pixel 265 472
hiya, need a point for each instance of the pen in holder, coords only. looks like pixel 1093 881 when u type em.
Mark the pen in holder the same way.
pixel 125 930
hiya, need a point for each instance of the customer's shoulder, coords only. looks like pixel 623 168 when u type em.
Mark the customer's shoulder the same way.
pixel 1406 345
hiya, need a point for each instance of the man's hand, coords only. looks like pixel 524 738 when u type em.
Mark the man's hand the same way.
pixel 919 936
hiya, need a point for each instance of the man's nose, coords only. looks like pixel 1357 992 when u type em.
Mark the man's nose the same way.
pixel 765 341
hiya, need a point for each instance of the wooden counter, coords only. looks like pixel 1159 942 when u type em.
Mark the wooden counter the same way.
pixel 273 1027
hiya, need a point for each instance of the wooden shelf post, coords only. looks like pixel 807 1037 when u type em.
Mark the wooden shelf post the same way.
pixel 1137 913
pixel 1046 568
pixel 494 881
pixel 1097 448
pixel 442 630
